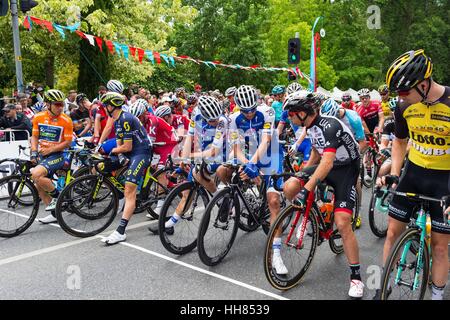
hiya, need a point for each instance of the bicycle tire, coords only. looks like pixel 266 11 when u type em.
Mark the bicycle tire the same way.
pixel 412 234
pixel 377 230
pixel 370 183
pixel 9 180
pixel 75 210
pixel 216 202
pixel 281 282
pixel 195 191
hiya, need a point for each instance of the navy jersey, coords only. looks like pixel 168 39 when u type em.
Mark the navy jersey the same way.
pixel 129 128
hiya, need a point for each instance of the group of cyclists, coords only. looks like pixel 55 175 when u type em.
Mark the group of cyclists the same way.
pixel 331 136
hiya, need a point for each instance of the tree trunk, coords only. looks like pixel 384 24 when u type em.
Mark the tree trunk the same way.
pixel 50 71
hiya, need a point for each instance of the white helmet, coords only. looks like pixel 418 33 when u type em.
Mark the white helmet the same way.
pixel 329 108
pixel 364 92
pixel 230 91
pixel 138 107
pixel 246 97
pixel 293 87
pixel 163 111
pixel 209 107
pixel 115 86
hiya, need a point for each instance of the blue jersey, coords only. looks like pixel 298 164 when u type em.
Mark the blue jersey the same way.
pixel 250 133
pixel 129 128
pixel 352 120
pixel 278 108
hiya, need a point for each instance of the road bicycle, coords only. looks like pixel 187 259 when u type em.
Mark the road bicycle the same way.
pixel 370 161
pixel 406 273
pixel 307 229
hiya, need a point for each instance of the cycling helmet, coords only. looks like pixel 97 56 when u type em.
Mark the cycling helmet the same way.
pixel 115 86
pixel 278 90
pixel 80 98
pixel 192 99
pixel 393 103
pixel 138 107
pixel 179 90
pixel 346 97
pixel 293 87
pixel 364 92
pixel 230 91
pixel 246 97
pixel 113 99
pixel 329 108
pixel 209 107
pixel 408 70
pixel 163 111
pixel 321 96
pixel 301 101
pixel 383 89
pixel 39 106
pixel 54 95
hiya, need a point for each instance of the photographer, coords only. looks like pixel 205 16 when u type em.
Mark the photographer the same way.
pixel 13 120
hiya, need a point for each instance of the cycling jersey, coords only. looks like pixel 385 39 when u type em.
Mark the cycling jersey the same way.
pixel 353 121
pixel 386 109
pixel 180 121
pixel 129 128
pixel 278 107
pixel 329 134
pixel 429 129
pixel 164 133
pixel 150 124
pixel 79 119
pixel 370 114
pixel 350 106
pixel 51 130
pixel 103 116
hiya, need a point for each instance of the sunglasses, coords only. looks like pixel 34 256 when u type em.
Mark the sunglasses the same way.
pixel 248 111
pixel 58 104
pixel 364 98
pixel 346 99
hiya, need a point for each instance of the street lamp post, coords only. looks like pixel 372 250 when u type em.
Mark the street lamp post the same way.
pixel 17 53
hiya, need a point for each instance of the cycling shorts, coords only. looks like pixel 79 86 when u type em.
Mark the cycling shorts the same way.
pixel 137 168
pixel 389 129
pixel 52 163
pixel 305 148
pixel 343 180
pixel 428 182
pixel 163 152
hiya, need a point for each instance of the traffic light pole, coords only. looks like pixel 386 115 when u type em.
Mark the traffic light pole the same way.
pixel 16 38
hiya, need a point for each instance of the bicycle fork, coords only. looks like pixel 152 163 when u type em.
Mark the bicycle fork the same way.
pixel 303 224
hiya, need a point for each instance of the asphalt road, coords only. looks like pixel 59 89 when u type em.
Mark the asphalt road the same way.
pixel 46 263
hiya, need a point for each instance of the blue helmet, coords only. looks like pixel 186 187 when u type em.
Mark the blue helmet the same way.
pixel 330 108
pixel 278 90
pixel 393 103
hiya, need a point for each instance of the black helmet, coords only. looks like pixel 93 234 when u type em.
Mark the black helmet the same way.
pixel 80 98
pixel 301 101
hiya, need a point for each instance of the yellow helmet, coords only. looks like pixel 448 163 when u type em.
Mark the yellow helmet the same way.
pixel 408 70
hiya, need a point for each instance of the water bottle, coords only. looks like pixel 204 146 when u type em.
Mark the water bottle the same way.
pixel 60 183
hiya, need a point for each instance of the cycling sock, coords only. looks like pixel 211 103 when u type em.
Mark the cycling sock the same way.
pixel 437 292
pixel 54 194
pixel 160 203
pixel 356 272
pixel 276 246
pixel 172 221
pixel 122 225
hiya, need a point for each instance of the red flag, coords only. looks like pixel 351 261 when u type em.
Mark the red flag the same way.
pixel 157 57
pixel 110 46
pixel 184 57
pixel 255 66
pixel 48 25
pixel 99 43
pixel 81 34
pixel 132 51
pixel 217 61
pixel 26 23
pixel 141 54
pixel 36 20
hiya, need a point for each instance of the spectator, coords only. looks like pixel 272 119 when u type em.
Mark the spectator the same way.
pixel 23 101
pixel 198 90
pixel 101 91
pixel 70 100
pixel 19 108
pixel 81 116
pixel 15 121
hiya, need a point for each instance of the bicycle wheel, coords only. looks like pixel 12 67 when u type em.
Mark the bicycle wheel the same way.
pixel 400 269
pixel 296 259
pixel 16 215
pixel 218 227
pixel 157 192
pixel 378 220
pixel 266 217
pixel 191 200
pixel 87 206
pixel 335 241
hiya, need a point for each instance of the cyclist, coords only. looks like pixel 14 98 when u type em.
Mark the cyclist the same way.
pixel 52 134
pixel 278 93
pixel 370 111
pixel 208 127
pixel 229 94
pixel 81 117
pixel 389 123
pixel 347 102
pixel 255 125
pixel 336 152
pixel 134 144
pixel 423 114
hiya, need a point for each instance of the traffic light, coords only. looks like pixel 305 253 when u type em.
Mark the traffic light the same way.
pixel 27 5
pixel 294 51
pixel 4 7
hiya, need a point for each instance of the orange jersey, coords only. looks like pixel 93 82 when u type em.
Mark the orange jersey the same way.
pixel 52 130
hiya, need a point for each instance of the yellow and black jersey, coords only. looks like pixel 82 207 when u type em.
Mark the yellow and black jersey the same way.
pixel 429 129
pixel 386 110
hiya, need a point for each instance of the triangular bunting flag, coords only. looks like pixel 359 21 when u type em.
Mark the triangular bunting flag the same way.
pixel 125 51
pixel 99 43
pixel 141 53
pixel 81 34
pixel 132 51
pixel 157 57
pixel 150 56
pixel 60 29
pixel 117 46
pixel 90 38
pixel 110 46
pixel 27 23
